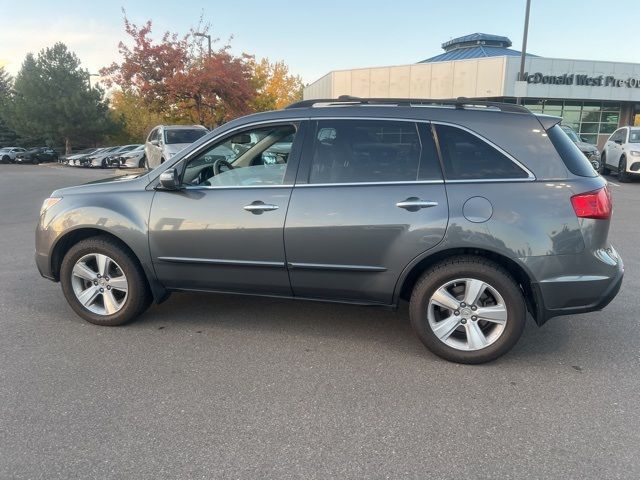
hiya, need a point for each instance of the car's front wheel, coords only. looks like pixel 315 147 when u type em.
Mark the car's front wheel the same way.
pixel 623 175
pixel 468 310
pixel 103 282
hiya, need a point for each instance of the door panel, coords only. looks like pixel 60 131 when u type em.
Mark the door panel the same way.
pixel 224 230
pixel 352 242
pixel 368 200
pixel 206 239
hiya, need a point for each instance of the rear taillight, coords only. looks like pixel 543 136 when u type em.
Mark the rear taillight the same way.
pixel 596 204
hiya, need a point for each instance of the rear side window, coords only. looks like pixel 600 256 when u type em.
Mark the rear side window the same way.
pixel 353 151
pixel 468 157
pixel 573 158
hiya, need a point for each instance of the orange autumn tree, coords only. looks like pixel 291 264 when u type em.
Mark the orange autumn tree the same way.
pixel 275 85
pixel 172 77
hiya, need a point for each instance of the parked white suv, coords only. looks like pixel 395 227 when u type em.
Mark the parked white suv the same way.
pixel 8 154
pixel 165 141
pixel 621 153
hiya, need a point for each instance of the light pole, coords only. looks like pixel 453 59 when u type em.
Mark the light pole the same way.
pixel 523 53
pixel 89 75
pixel 198 34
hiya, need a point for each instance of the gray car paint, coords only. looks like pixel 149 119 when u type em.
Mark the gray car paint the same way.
pixel 350 242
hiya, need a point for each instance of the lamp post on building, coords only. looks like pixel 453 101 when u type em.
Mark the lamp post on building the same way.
pixel 523 54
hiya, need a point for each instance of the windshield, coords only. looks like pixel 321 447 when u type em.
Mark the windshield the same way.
pixel 634 136
pixel 183 135
pixel 571 134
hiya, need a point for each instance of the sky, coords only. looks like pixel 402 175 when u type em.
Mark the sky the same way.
pixel 316 37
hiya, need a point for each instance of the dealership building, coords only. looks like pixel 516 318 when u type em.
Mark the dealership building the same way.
pixel 593 97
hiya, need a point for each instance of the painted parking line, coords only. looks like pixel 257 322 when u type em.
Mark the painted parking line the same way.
pixel 614 184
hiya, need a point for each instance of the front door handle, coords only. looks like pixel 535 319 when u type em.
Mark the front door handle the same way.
pixel 258 207
pixel 413 204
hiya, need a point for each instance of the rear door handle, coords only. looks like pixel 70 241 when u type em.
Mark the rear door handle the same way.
pixel 258 207
pixel 414 204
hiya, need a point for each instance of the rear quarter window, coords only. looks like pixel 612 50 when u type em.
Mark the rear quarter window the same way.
pixel 468 157
pixel 573 158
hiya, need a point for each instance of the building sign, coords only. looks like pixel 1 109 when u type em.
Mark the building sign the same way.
pixel 582 80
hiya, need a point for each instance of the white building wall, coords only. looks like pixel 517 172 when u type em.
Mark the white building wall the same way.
pixel 479 77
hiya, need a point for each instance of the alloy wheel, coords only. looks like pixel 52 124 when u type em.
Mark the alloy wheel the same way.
pixel 467 314
pixel 99 284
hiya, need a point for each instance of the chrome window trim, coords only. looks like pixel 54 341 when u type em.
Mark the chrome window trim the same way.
pixel 357 184
pixel 232 187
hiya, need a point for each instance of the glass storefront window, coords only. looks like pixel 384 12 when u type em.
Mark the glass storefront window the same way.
pixel 611 117
pixel 608 127
pixel 590 115
pixel 589 119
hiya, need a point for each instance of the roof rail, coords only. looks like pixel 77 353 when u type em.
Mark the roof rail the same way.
pixel 460 102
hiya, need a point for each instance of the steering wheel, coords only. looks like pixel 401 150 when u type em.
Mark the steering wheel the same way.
pixel 221 166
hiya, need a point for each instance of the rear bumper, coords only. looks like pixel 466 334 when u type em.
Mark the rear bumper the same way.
pixel 570 295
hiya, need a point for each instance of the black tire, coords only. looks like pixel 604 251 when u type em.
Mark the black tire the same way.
pixel 161 161
pixel 6 159
pixel 476 268
pixel 138 296
pixel 35 161
pixel 604 170
pixel 143 162
pixel 623 175
pixel 104 163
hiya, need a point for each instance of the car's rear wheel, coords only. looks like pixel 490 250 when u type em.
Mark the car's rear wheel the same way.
pixel 623 175
pixel 103 282
pixel 467 310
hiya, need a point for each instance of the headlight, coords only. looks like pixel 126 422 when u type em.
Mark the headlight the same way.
pixel 635 153
pixel 48 203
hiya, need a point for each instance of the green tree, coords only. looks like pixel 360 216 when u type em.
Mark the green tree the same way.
pixel 8 137
pixel 51 98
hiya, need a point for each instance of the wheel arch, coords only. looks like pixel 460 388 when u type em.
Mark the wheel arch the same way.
pixel 72 237
pixel 413 271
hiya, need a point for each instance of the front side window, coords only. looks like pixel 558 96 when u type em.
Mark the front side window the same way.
pixel 634 136
pixel 183 135
pixel 354 151
pixel 617 136
pixel 468 157
pixel 250 158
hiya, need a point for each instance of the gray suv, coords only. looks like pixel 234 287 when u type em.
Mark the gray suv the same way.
pixel 477 213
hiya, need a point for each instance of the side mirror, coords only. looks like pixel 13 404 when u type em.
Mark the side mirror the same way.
pixel 619 142
pixel 155 142
pixel 170 179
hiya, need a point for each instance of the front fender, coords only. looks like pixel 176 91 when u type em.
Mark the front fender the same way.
pixel 123 215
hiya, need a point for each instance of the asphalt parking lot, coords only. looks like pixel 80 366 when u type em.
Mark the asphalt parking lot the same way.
pixel 208 386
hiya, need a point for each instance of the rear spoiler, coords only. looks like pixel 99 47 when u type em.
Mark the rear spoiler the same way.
pixel 548 121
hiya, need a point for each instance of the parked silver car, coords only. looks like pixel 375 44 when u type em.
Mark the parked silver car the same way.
pixel 164 141
pixel 132 159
